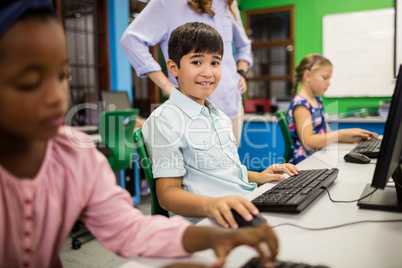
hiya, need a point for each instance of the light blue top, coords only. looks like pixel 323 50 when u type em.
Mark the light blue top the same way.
pixel 185 139
pixel 160 17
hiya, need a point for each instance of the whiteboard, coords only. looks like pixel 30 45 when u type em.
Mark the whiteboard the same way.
pixel 360 46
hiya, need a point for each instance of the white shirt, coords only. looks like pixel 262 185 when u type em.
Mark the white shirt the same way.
pixel 185 139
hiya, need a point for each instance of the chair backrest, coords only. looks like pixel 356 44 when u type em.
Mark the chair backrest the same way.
pixel 283 124
pixel 144 163
pixel 116 129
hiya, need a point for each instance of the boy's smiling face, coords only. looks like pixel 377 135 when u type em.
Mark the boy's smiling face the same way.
pixel 198 76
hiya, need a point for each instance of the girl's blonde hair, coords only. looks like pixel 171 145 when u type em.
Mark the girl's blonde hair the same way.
pixel 310 62
pixel 204 6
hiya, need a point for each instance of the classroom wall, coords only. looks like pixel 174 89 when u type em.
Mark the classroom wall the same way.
pixel 308 35
pixel 120 67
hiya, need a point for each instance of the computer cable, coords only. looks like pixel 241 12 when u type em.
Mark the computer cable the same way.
pixel 334 226
pixel 347 201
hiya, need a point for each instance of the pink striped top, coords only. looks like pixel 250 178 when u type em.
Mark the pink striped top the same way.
pixel 37 215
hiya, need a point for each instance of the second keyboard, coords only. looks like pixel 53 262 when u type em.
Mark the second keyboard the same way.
pixel 370 148
pixel 295 193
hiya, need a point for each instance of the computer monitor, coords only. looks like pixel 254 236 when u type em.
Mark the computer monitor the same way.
pixel 115 100
pixel 389 160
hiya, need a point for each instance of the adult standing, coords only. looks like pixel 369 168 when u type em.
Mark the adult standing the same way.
pixel 160 17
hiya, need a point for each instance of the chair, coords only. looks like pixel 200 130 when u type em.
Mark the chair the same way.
pixel 283 124
pixel 116 129
pixel 144 163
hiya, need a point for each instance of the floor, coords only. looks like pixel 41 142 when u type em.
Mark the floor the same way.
pixel 92 254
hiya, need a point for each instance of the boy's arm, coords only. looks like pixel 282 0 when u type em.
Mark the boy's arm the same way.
pixel 173 198
pixel 272 173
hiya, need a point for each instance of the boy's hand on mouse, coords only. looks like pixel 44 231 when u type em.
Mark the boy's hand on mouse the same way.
pixel 219 209
pixel 262 238
pixel 274 173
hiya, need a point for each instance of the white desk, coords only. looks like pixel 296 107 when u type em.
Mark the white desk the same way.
pixel 362 245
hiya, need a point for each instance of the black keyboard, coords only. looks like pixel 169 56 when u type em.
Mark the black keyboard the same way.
pixel 295 193
pixel 370 148
pixel 256 263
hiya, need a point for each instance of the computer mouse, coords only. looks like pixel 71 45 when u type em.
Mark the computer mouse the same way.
pixel 253 263
pixel 256 263
pixel 357 158
pixel 256 221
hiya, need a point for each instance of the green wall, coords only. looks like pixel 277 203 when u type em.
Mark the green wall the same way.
pixel 308 33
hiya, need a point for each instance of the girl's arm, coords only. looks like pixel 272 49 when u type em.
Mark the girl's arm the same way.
pixel 328 128
pixel 173 198
pixel 311 141
pixel 304 128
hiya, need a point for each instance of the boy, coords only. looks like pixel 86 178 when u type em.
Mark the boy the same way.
pixel 192 148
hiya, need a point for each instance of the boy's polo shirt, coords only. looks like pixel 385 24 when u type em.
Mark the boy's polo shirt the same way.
pixel 185 139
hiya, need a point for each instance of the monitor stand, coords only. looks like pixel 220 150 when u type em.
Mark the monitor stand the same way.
pixel 388 199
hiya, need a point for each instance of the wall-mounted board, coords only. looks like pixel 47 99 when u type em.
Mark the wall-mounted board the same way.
pixel 360 45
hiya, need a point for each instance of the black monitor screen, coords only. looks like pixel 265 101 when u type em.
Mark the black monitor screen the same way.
pixel 389 160
pixel 115 100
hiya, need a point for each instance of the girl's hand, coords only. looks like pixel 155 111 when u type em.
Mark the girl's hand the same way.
pixel 275 173
pixel 219 209
pixel 262 238
pixel 354 135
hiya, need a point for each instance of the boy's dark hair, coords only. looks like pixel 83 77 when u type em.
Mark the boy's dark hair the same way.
pixel 194 37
